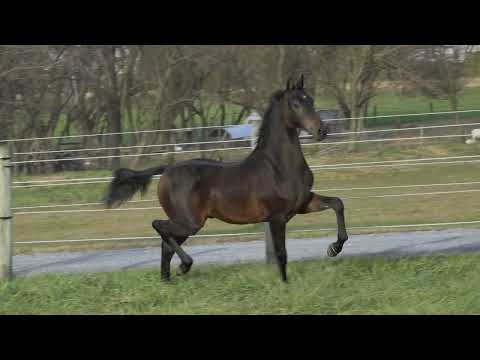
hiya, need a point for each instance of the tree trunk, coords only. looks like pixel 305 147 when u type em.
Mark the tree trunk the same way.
pixel 453 100
pixel 204 135
pixel 114 125
pixel 114 102
pixel 356 125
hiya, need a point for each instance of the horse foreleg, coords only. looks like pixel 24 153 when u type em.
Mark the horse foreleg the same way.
pixel 320 203
pixel 277 228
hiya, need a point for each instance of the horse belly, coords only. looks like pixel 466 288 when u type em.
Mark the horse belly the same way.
pixel 237 209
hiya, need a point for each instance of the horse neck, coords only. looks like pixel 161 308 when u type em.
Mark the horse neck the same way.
pixel 279 143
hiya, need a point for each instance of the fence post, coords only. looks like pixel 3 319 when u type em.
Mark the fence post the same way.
pixel 5 213
pixel 269 251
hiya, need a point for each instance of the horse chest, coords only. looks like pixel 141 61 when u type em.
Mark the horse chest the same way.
pixel 296 191
pixel 304 189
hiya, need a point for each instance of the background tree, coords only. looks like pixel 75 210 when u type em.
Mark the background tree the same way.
pixel 84 89
pixel 350 74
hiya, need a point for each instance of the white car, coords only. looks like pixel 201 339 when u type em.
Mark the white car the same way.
pixel 475 137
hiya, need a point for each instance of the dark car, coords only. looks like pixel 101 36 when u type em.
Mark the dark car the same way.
pixel 328 116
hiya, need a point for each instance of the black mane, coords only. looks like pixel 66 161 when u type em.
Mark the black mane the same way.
pixel 267 121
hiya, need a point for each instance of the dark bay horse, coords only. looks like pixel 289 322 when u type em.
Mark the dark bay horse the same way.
pixel 273 184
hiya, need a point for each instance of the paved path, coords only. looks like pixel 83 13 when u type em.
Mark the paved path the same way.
pixel 391 244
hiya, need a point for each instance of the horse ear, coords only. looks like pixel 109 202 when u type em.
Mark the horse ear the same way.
pixel 300 83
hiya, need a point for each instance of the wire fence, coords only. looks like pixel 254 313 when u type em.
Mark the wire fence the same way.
pixel 200 143
pixel 159 207
pixel 233 149
pixel 428 161
pixel 315 190
pixel 335 166
pixel 253 233
pixel 228 126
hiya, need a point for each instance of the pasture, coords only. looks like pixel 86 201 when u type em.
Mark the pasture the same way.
pixel 453 203
pixel 393 203
pixel 399 172
pixel 416 285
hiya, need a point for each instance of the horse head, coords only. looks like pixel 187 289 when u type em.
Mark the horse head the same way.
pixel 301 109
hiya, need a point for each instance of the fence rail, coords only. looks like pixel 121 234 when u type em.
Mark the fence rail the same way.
pixel 200 143
pixel 254 233
pixel 315 190
pixel 313 167
pixel 228 126
pixel 234 149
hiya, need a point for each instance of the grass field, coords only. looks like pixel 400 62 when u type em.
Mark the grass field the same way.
pixel 388 103
pixel 418 285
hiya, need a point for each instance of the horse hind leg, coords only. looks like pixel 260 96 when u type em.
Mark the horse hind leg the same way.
pixel 167 255
pixel 184 267
pixel 174 235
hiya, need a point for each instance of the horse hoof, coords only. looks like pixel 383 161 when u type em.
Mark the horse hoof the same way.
pixel 165 278
pixel 184 268
pixel 333 250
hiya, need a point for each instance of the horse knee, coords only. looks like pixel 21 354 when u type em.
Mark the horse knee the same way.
pixel 157 224
pixel 337 204
pixel 173 229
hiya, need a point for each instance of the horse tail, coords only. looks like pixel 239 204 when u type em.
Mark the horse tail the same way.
pixel 127 182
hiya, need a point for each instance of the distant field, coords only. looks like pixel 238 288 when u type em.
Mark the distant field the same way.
pixel 417 285
pixel 387 102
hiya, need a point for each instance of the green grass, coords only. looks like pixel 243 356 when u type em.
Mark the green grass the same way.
pixel 419 285
pixel 389 102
